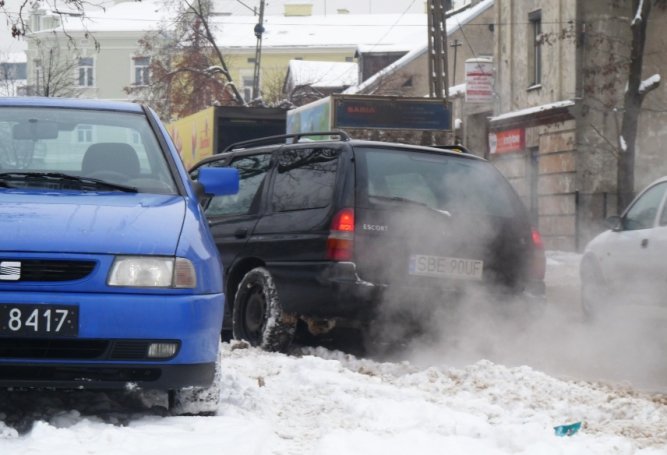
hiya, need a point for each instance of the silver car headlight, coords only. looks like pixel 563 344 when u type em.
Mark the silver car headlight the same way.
pixel 152 272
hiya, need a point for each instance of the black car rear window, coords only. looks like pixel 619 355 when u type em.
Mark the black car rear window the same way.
pixel 443 182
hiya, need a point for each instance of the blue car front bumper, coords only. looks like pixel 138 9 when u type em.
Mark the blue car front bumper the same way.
pixel 111 348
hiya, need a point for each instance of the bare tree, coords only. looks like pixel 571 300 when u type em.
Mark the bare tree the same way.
pixel 17 16
pixel 187 69
pixel 614 86
pixel 636 91
pixel 54 70
pixel 273 80
pixel 303 94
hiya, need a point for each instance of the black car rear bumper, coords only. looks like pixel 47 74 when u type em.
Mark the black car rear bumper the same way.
pixel 325 290
pixel 332 290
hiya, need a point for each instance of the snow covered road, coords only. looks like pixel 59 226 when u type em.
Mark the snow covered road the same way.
pixel 475 396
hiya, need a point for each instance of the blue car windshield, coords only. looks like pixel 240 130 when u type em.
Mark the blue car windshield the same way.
pixel 81 149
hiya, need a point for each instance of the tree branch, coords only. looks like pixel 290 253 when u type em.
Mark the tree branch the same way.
pixel 198 12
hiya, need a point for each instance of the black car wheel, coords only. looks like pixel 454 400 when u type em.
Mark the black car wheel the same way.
pixel 258 316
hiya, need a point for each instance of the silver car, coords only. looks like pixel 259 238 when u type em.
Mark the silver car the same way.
pixel 626 264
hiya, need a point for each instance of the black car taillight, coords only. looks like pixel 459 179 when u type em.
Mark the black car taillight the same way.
pixel 539 261
pixel 340 243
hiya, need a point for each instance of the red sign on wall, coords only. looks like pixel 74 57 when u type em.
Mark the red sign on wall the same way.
pixel 507 141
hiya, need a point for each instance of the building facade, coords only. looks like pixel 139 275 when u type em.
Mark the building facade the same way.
pixel 561 73
pixel 552 121
pixel 13 74
pixel 470 35
pixel 101 57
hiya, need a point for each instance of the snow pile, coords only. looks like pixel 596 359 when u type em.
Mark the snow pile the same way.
pixel 318 401
pixel 331 403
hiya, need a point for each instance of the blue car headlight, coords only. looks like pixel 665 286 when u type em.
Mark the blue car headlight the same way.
pixel 152 272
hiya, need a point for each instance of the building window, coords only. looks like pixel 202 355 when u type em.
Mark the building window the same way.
pixel 135 137
pixel 86 72
pixel 84 133
pixel 39 74
pixel 535 48
pixel 141 70
pixel 12 71
pixel 247 88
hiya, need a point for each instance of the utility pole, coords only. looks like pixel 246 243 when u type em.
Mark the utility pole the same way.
pixel 259 30
pixel 456 44
pixel 437 48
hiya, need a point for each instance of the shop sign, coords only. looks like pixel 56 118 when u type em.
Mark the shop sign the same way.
pixel 507 141
pixel 392 113
pixel 479 80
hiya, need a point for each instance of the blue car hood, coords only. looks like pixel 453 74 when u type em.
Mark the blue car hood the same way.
pixel 113 223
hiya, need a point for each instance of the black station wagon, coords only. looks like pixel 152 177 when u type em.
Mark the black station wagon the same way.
pixel 344 232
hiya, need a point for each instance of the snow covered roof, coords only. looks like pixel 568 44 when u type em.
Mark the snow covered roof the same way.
pixel 349 30
pixel 532 110
pixel 396 47
pixel 132 16
pixel 237 31
pixel 322 74
pixel 457 90
pixel 454 23
pixel 330 7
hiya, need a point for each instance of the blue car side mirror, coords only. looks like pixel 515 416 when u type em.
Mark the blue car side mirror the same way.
pixel 219 181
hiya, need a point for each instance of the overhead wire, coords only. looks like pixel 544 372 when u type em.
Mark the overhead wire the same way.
pixel 465 38
pixel 254 10
pixel 394 24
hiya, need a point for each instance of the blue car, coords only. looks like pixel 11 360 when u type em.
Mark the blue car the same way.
pixel 109 277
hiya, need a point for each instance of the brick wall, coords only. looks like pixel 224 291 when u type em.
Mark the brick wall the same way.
pixel 556 186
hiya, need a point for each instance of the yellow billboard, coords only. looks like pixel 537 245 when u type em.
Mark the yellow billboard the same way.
pixel 193 135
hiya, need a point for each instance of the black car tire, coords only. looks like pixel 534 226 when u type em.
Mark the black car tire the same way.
pixel 258 316
pixel 593 290
pixel 200 401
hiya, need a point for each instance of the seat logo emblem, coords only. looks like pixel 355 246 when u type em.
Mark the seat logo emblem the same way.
pixel 10 270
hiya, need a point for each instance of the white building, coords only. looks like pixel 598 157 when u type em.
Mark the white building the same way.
pixel 101 53
pixel 13 74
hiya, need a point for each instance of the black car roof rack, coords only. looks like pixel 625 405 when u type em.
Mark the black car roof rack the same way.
pixel 296 137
